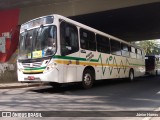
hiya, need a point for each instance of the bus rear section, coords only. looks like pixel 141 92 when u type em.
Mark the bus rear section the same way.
pixel 152 65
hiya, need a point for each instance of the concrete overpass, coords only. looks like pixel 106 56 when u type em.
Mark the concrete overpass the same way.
pixel 129 20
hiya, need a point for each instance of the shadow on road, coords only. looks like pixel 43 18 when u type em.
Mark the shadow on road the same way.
pixel 140 94
pixel 102 84
pixel 73 87
pixel 105 95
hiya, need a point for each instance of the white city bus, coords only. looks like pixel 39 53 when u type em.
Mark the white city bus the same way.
pixel 56 49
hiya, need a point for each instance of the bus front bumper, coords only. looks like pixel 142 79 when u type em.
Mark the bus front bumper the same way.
pixel 50 76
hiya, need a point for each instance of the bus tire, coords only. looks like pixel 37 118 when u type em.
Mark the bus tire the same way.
pixel 131 75
pixel 87 80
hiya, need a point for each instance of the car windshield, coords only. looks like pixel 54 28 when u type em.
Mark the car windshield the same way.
pixel 37 43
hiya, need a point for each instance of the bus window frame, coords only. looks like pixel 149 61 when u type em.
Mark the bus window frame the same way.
pixel 87 47
pixel 128 49
pixel 109 46
pixel 69 48
pixel 115 47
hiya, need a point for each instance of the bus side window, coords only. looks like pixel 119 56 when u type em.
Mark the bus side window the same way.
pixel 68 38
pixel 103 44
pixel 87 40
pixel 139 54
pixel 115 47
pixel 133 52
pixel 125 50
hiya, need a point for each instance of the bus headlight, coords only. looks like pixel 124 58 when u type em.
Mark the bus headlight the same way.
pixel 50 67
pixel 20 69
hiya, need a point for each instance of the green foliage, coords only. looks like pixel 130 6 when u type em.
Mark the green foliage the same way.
pixel 151 47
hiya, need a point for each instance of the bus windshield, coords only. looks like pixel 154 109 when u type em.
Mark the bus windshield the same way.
pixel 38 42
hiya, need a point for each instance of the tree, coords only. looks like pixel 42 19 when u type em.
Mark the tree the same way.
pixel 151 47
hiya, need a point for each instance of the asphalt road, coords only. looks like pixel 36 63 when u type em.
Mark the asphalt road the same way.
pixel 110 95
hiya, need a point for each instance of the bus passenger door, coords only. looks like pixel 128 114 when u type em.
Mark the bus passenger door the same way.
pixel 88 52
pixel 69 51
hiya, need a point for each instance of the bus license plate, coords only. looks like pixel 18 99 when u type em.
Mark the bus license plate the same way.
pixel 31 78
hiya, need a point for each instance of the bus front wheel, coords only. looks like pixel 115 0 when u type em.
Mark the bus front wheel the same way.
pixel 87 81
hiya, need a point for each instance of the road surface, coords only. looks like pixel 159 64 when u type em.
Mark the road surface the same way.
pixel 110 95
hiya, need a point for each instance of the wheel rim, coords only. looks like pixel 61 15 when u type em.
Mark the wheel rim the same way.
pixel 87 79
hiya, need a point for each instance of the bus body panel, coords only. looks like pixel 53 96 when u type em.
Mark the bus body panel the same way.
pixel 69 68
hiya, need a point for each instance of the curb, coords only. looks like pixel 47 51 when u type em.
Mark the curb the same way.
pixel 10 86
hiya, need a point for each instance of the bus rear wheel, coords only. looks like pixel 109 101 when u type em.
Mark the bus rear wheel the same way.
pixel 131 75
pixel 87 80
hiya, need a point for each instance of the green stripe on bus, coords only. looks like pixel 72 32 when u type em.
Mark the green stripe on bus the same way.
pixel 84 59
pixel 73 58
pixel 136 64
pixel 69 58
pixel 41 68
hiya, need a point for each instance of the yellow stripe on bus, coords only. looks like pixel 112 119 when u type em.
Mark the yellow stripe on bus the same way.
pixel 68 62
pixel 32 71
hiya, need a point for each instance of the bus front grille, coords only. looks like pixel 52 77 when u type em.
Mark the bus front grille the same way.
pixel 32 65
